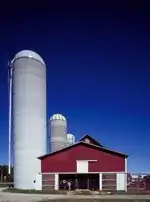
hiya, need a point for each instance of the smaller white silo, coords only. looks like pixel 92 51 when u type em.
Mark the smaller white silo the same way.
pixel 58 131
pixel 70 139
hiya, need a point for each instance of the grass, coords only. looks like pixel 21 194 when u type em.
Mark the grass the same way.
pixel 57 192
pixel 13 190
pixel 4 184
pixel 66 192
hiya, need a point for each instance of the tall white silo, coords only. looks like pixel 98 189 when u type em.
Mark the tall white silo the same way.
pixel 58 131
pixel 70 139
pixel 29 116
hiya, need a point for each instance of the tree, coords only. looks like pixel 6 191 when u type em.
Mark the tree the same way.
pixel 4 176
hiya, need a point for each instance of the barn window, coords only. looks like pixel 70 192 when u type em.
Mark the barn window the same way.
pixel 87 140
pixel 82 166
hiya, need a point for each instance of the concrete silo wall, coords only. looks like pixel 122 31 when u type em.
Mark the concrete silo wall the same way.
pixel 58 130
pixel 29 117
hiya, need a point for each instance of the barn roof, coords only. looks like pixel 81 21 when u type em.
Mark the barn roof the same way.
pixel 88 145
pixel 95 142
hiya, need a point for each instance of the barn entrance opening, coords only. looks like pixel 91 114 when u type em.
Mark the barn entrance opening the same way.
pixel 79 181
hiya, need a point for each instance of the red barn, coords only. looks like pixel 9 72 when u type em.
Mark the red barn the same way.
pixel 87 165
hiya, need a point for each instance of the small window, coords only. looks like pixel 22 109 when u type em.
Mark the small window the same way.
pixel 87 140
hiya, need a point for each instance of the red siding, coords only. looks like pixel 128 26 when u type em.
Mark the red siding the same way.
pixel 65 161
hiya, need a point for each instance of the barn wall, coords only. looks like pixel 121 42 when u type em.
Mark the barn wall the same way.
pixel 48 181
pixel 65 161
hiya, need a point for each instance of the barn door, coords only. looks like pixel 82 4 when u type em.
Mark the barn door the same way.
pixel 109 181
pixel 48 181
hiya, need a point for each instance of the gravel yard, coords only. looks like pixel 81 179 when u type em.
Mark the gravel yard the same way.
pixel 20 197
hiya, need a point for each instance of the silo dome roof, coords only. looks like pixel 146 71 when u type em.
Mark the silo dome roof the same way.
pixel 29 54
pixel 70 136
pixel 57 117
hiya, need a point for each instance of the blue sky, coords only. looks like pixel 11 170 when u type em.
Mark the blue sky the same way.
pixel 98 68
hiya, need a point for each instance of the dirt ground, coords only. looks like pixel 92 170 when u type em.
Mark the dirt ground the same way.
pixel 96 200
pixel 20 197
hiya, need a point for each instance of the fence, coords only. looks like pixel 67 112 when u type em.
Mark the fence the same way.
pixel 5 184
pixel 138 182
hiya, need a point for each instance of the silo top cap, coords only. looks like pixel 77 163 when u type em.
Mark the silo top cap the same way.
pixel 57 117
pixel 29 54
pixel 70 136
